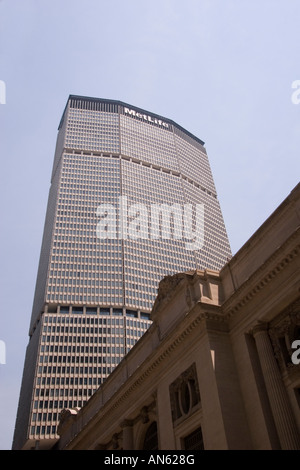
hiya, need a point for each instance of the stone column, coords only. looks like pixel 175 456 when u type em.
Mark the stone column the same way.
pixel 282 412
pixel 164 417
pixel 127 434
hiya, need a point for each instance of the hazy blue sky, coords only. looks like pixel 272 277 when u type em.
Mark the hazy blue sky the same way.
pixel 223 69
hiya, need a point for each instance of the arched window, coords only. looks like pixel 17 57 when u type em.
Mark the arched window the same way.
pixel 151 440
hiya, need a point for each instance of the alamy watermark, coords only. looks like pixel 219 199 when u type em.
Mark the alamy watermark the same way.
pixel 296 354
pixel 2 352
pixel 158 221
pixel 296 94
pixel 2 92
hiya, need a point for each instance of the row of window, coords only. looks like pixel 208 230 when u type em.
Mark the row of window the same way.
pixel 45 417
pixel 91 320
pixel 108 147
pixel 88 340
pixel 93 339
pixel 77 370
pixel 80 359
pixel 84 319
pixel 75 329
pixel 60 404
pixel 62 381
pixel 65 390
pixel 43 430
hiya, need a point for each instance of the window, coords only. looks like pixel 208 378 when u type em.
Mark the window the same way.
pixel 91 310
pixel 131 313
pixel 184 394
pixel 145 316
pixel 104 311
pixel 151 440
pixel 64 309
pixel 117 311
pixel 77 310
pixel 194 441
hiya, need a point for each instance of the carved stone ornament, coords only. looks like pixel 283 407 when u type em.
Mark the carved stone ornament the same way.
pixel 166 289
pixel 144 415
pixel 184 393
pixel 65 416
pixel 283 332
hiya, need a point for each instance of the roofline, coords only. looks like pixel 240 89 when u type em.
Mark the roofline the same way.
pixel 139 110
pixel 267 224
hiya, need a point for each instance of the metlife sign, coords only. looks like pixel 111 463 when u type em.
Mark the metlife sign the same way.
pixel 145 117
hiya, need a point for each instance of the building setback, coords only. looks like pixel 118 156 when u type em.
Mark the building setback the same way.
pixel 132 199
pixel 219 368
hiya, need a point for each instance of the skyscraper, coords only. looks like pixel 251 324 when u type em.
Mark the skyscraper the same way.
pixel 132 199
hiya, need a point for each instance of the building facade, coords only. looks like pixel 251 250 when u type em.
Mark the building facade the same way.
pixel 219 368
pixel 132 199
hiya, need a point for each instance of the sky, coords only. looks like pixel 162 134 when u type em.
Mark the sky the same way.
pixel 222 69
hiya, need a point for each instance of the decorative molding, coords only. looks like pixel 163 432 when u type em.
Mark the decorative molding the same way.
pixel 149 371
pixel 282 264
pixel 213 316
pixel 259 327
pixel 166 290
pixel 186 382
pixel 168 287
pixel 282 330
pixel 67 415
pixel 144 416
pixel 127 423
pixel 290 316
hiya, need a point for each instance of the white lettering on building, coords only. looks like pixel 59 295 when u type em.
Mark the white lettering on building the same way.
pixel 146 117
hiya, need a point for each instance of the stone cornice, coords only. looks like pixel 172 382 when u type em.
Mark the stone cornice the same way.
pixel 166 289
pixel 260 327
pixel 247 291
pixel 156 362
pixel 169 288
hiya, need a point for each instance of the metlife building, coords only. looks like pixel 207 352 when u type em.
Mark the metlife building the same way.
pixel 132 200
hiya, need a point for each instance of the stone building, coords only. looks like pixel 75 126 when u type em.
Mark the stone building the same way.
pixel 218 368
